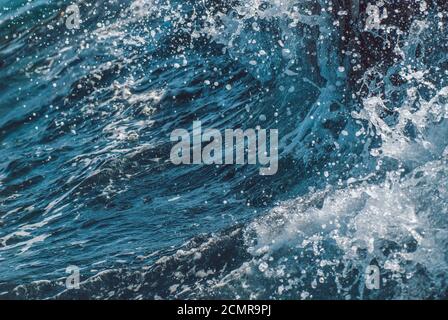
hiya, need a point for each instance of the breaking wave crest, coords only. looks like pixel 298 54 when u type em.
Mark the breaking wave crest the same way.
pixel 359 94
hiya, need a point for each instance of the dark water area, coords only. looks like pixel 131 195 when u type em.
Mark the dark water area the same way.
pixel 358 91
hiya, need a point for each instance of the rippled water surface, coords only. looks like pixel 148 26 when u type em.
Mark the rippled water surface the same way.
pixel 357 89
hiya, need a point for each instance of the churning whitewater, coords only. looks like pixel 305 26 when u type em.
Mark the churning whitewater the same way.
pixel 358 91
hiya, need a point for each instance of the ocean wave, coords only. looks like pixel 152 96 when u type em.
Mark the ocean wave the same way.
pixel 357 91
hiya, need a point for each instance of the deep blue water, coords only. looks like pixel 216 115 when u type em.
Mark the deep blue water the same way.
pixel 361 104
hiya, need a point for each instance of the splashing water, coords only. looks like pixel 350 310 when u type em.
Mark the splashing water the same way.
pixel 357 89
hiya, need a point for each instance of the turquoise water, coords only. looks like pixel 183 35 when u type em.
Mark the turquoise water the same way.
pixel 358 94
